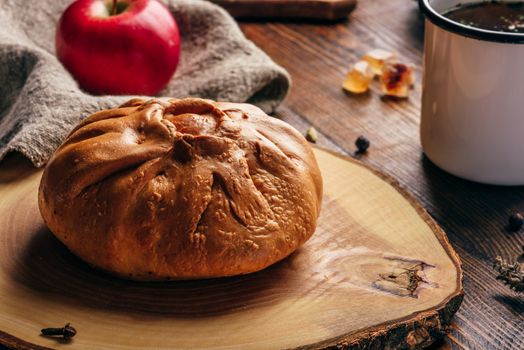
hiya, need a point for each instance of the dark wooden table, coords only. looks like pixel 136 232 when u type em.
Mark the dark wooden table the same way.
pixel 474 216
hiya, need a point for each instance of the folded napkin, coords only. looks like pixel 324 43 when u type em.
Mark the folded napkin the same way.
pixel 40 102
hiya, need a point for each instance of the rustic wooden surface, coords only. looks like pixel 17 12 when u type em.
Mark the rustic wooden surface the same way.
pixel 312 9
pixel 473 215
pixel 377 271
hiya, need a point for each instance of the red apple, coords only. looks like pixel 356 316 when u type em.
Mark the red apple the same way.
pixel 119 47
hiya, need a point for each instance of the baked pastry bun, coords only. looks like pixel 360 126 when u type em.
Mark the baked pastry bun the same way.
pixel 182 189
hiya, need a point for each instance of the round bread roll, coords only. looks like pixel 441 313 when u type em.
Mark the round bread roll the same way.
pixel 182 189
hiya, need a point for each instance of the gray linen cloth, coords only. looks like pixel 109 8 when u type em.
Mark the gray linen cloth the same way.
pixel 40 102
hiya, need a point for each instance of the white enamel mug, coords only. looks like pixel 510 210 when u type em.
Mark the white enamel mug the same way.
pixel 472 119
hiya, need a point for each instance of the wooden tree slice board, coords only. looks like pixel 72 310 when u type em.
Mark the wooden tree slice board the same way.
pixel 378 271
pixel 309 9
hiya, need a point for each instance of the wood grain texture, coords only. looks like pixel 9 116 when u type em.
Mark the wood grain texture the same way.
pixel 309 9
pixel 473 215
pixel 378 272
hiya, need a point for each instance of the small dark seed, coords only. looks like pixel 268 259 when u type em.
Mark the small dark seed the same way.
pixel 362 144
pixel 516 221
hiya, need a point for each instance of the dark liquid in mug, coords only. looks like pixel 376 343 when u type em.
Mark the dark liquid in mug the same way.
pixel 491 15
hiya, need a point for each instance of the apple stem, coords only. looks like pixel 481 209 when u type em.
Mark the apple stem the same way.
pixel 113 9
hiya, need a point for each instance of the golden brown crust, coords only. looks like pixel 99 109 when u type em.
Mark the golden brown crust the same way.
pixel 181 189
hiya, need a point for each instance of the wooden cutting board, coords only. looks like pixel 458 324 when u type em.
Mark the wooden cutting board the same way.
pixel 378 272
pixel 308 9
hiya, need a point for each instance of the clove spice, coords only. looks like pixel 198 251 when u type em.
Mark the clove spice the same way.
pixel 67 332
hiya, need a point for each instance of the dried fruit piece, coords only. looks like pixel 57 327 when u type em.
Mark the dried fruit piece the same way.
pixel 358 78
pixel 397 79
pixel 377 58
pixel 311 135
